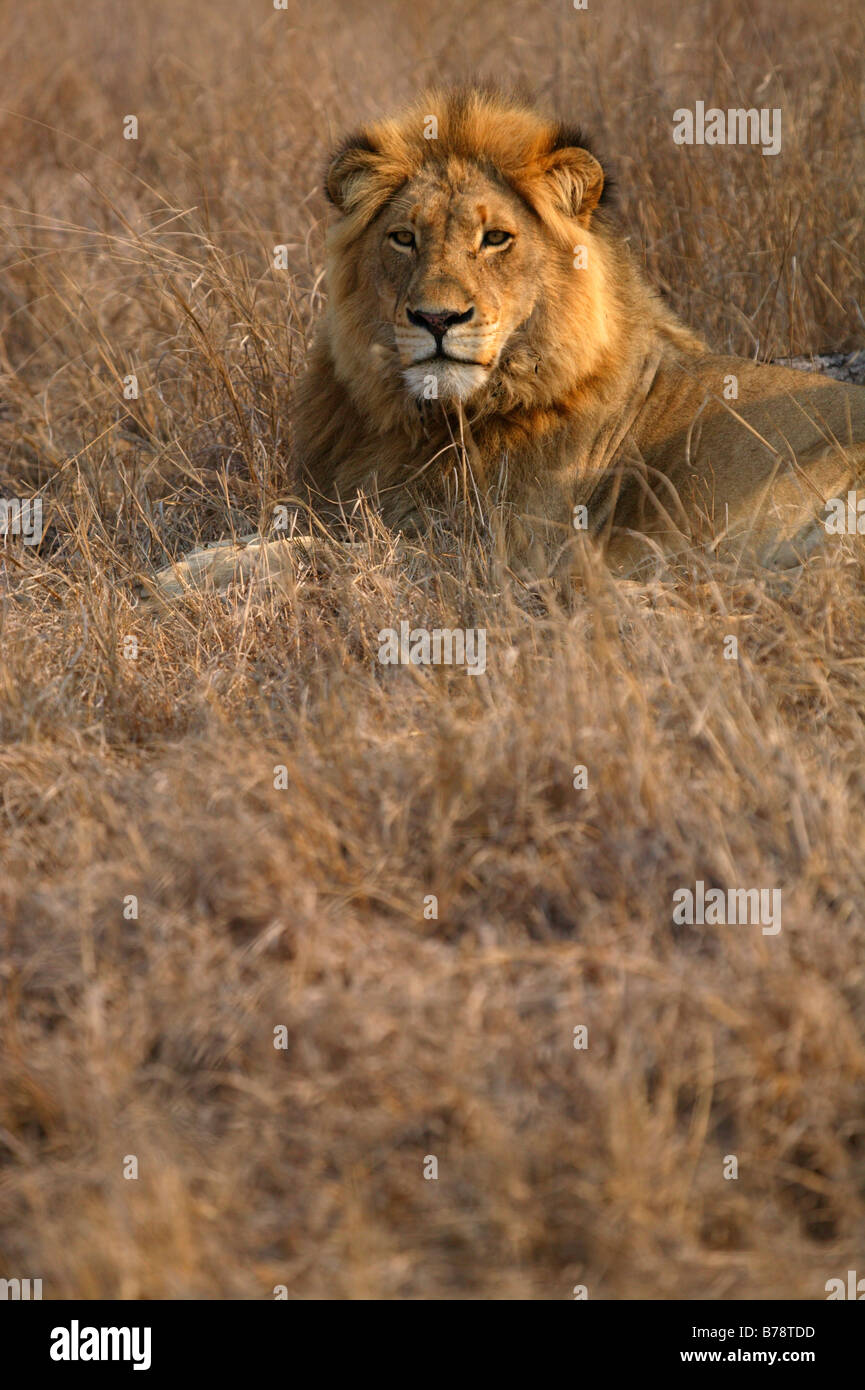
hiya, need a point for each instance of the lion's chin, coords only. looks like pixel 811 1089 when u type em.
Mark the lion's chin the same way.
pixel 438 380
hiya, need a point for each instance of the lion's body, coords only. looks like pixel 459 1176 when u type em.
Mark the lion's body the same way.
pixel 485 318
pixel 749 474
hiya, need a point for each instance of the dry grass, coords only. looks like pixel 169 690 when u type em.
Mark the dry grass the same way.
pixel 305 907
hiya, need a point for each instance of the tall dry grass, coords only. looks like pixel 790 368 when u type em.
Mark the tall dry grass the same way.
pixel 303 908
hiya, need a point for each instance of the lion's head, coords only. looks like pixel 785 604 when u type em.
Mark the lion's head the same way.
pixel 465 235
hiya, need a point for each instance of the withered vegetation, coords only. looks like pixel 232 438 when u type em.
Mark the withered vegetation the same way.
pixel 153 777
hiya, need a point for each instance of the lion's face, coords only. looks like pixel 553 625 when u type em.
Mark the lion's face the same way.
pixel 455 260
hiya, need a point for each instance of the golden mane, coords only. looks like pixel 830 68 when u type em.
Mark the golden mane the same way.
pixel 480 125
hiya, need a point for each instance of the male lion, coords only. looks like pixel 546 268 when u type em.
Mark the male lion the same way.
pixel 486 328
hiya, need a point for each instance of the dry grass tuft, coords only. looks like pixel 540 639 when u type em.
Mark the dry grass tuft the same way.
pixel 304 907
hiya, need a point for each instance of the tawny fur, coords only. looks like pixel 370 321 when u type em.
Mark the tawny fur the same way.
pixel 583 389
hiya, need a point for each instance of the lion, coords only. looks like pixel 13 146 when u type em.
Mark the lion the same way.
pixel 487 329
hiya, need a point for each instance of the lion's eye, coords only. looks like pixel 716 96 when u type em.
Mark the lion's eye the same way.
pixel 497 237
pixel 402 238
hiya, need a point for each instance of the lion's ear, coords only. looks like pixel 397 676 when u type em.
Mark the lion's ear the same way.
pixel 566 182
pixel 352 173
pixel 576 180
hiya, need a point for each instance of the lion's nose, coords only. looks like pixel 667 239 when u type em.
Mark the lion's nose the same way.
pixel 438 321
